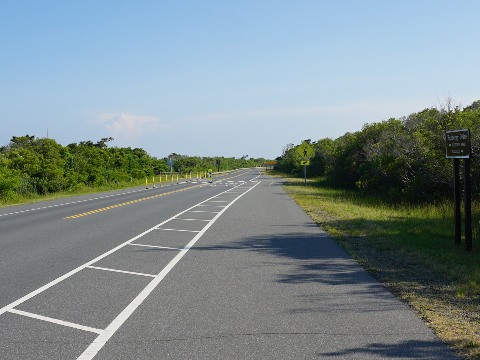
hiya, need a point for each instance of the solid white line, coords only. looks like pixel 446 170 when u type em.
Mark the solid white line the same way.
pixel 84 200
pixel 69 274
pixel 155 246
pixel 192 231
pixel 220 206
pixel 56 321
pixel 68 203
pixel 81 267
pixel 119 271
pixel 75 202
pixel 102 339
pixel 192 219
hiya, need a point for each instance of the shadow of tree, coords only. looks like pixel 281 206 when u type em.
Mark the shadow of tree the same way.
pixel 314 258
pixel 410 349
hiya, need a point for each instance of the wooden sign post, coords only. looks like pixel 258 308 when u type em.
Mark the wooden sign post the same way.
pixel 458 147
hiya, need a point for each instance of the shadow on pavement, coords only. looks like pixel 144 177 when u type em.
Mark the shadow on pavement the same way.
pixel 412 349
pixel 343 288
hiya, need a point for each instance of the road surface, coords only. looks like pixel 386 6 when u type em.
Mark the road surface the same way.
pixel 232 269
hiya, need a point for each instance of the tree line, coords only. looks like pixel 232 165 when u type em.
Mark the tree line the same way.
pixel 399 159
pixel 38 166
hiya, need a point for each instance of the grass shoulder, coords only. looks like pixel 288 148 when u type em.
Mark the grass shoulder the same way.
pixel 410 248
pixel 81 190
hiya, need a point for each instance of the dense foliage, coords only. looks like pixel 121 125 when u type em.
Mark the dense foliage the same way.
pixel 187 164
pixel 399 159
pixel 37 166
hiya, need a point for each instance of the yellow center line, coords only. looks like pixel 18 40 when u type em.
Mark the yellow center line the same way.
pixel 127 203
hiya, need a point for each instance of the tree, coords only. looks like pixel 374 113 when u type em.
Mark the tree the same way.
pixel 400 159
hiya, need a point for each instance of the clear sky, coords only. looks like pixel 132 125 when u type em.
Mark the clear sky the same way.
pixel 228 77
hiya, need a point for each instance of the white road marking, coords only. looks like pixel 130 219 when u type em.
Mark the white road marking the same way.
pixel 179 230
pixel 70 203
pixel 119 271
pixel 111 329
pixel 81 267
pixel 70 273
pixel 156 247
pixel 220 206
pixel 56 321
pixel 192 219
pixel 104 335
pixel 81 201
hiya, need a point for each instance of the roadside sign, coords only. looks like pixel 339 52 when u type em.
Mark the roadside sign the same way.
pixel 305 162
pixel 305 150
pixel 457 144
pixel 270 164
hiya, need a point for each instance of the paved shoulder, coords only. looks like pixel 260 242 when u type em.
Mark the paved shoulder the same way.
pixel 264 282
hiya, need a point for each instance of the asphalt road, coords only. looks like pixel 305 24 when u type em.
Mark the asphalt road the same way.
pixel 229 270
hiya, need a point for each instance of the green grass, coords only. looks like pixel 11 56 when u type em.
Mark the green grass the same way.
pixel 411 249
pixel 82 190
pixel 17 199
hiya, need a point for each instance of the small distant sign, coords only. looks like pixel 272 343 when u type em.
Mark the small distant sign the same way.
pixel 305 150
pixel 305 162
pixel 458 144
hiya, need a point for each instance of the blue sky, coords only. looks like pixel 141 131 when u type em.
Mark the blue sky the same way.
pixel 228 78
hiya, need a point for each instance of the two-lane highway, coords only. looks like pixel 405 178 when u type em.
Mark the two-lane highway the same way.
pixel 229 270
pixel 40 242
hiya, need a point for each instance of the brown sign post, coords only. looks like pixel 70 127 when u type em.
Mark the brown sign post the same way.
pixel 458 144
pixel 458 147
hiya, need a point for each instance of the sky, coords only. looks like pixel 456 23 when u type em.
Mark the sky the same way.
pixel 228 77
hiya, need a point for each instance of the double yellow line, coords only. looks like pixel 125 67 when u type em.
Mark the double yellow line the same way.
pixel 127 203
